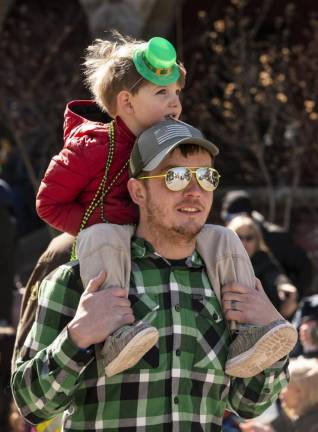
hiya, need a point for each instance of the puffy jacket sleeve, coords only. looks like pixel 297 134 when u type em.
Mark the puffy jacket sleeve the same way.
pixel 67 175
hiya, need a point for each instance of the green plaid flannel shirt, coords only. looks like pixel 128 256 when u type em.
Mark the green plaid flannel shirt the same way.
pixel 180 385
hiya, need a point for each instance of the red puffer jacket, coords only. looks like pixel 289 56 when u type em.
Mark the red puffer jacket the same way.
pixel 73 176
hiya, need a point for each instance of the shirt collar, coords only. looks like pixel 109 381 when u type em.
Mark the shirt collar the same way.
pixel 141 248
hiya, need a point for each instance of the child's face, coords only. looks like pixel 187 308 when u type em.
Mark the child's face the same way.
pixel 153 103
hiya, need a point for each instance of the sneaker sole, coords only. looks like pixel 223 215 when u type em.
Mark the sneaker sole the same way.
pixel 273 346
pixel 136 348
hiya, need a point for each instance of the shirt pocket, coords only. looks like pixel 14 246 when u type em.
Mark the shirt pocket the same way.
pixel 146 309
pixel 212 334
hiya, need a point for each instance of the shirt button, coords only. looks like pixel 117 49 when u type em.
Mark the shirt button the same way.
pixel 178 352
pixel 215 316
pixel 176 400
pixel 177 307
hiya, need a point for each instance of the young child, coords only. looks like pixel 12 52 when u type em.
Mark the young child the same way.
pixel 136 95
pixel 138 84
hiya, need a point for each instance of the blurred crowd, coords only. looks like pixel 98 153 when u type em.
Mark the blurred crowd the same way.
pixel 297 407
pixel 285 272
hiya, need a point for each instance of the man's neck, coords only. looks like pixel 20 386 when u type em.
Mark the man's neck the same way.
pixel 175 247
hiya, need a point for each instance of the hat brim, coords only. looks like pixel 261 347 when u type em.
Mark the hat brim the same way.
pixel 156 161
pixel 149 75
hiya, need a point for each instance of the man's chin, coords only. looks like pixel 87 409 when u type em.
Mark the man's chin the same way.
pixel 188 231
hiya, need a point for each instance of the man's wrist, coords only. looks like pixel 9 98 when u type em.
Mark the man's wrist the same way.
pixel 76 337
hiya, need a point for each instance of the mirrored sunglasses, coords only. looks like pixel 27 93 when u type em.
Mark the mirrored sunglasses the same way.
pixel 178 178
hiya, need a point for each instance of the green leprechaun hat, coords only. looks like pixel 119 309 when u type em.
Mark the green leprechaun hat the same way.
pixel 156 61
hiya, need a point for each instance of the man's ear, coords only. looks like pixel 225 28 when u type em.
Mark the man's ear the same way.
pixel 137 191
pixel 124 102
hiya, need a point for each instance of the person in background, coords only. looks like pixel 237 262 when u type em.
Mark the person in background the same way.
pixel 8 236
pixel 299 401
pixel 17 422
pixel 230 422
pixel 306 320
pixel 6 345
pixel 308 334
pixel 277 286
pixel 292 258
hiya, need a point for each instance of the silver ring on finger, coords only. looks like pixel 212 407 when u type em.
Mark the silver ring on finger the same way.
pixel 233 305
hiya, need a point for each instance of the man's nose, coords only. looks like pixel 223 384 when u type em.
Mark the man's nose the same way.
pixel 193 188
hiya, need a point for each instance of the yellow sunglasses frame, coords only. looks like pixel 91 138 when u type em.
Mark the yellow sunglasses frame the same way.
pixel 193 170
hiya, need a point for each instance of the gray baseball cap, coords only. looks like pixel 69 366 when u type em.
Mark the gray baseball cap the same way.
pixel 156 142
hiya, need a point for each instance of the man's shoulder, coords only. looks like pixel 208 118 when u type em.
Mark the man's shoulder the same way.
pixel 223 240
pixel 218 232
pixel 67 274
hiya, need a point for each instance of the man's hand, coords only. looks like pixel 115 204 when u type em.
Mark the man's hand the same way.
pixel 248 305
pixel 99 313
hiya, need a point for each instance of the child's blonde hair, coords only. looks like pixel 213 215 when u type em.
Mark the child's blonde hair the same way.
pixel 245 221
pixel 304 375
pixel 109 69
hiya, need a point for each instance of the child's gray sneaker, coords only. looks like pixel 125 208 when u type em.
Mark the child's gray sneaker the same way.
pixel 127 345
pixel 258 347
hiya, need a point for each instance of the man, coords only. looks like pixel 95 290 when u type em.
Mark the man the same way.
pixel 180 385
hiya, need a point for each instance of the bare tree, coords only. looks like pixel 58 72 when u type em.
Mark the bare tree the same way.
pixel 254 90
pixel 41 49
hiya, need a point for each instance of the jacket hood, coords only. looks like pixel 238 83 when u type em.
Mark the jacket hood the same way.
pixel 83 114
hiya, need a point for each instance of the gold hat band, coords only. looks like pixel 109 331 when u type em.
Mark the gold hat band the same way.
pixel 159 71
